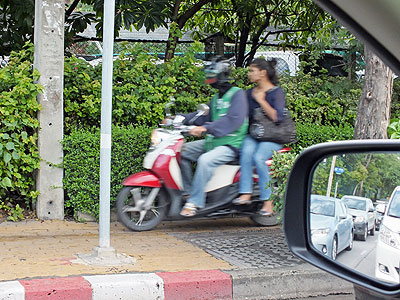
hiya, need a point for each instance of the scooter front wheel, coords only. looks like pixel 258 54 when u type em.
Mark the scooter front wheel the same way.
pixel 133 211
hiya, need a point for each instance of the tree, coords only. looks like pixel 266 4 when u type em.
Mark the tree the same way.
pixel 373 115
pixel 181 13
pixel 16 23
pixel 254 21
pixel 370 175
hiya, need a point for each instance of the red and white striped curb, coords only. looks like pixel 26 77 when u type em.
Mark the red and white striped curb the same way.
pixel 208 284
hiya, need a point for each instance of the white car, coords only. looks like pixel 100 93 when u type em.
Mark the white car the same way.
pixel 364 215
pixel 387 266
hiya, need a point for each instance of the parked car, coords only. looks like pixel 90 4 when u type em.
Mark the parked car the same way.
pixel 363 213
pixel 388 249
pixel 287 62
pixel 331 225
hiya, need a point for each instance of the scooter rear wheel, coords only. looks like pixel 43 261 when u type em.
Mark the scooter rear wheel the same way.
pixel 140 219
pixel 266 221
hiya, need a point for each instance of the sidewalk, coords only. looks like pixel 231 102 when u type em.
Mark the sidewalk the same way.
pixel 40 260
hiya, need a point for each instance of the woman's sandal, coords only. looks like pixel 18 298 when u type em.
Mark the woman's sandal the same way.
pixel 188 210
pixel 240 201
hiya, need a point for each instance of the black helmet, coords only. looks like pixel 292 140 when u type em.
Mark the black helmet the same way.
pixel 217 70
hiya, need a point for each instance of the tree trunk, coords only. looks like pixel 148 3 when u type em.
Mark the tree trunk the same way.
pixel 244 34
pixel 373 114
pixel 171 45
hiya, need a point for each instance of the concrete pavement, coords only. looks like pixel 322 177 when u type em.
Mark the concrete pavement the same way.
pixel 40 260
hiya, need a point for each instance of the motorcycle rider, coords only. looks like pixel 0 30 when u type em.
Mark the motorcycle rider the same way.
pixel 225 128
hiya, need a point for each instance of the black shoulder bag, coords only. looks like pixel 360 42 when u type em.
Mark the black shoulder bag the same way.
pixel 264 129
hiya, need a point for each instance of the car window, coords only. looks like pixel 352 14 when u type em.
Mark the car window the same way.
pixel 339 209
pixel 394 207
pixel 355 203
pixel 322 207
pixel 344 208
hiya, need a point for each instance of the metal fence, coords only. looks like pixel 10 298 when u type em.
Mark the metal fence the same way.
pixel 287 61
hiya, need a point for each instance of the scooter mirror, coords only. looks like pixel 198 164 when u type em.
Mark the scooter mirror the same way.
pixel 168 110
pixel 178 119
pixel 204 109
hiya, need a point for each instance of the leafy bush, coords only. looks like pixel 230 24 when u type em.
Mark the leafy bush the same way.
pixel 310 134
pixel 395 107
pixel 280 168
pixel 19 156
pixel 82 164
pixel 141 88
pixel 394 129
pixel 322 100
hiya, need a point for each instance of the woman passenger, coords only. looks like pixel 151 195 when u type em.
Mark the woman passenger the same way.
pixel 271 98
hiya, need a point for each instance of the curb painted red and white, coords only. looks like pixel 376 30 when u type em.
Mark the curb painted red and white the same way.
pixel 207 284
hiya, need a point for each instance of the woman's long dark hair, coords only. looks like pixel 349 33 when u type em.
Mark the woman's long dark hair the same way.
pixel 269 66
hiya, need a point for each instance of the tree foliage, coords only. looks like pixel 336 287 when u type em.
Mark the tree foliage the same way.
pixel 372 175
pixel 292 21
pixel 16 23
pixel 19 156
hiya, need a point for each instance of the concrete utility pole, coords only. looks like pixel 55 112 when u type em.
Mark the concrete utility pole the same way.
pixel 49 60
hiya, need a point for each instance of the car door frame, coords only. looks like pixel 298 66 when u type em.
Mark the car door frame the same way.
pixel 296 218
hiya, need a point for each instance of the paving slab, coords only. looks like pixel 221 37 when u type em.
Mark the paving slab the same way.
pixel 32 249
pixel 175 261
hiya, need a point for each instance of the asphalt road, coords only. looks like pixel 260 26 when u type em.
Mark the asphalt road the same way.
pixel 362 256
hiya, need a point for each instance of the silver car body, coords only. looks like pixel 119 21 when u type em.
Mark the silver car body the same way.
pixel 330 220
pixel 363 212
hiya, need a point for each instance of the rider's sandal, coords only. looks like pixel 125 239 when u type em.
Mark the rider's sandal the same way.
pixel 189 210
pixel 240 201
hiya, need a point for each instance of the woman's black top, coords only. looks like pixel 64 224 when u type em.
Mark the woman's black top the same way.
pixel 275 97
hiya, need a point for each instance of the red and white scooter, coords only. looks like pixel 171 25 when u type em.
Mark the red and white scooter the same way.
pixel 154 195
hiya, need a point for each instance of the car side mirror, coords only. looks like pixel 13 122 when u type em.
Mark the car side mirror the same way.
pixel 313 174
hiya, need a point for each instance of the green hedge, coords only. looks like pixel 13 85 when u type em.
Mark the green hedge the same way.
pixel 82 164
pixel 141 88
pixel 129 145
pixel 19 156
pixel 322 100
pixel 310 134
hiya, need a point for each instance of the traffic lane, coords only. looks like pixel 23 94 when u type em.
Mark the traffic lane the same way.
pixel 362 256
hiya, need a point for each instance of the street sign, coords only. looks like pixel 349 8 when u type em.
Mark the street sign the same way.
pixel 339 170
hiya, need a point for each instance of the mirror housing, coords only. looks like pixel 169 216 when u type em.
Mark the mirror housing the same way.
pixel 296 225
pixel 202 110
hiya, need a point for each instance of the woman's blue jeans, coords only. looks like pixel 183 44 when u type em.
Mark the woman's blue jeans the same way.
pixel 255 154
